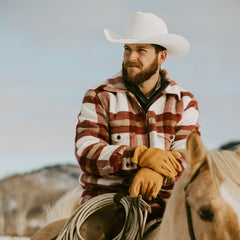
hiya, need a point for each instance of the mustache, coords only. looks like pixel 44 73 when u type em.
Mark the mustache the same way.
pixel 132 64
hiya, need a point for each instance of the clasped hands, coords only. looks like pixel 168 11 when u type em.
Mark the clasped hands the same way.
pixel 155 164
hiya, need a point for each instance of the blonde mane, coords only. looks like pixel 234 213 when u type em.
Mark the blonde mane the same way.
pixel 224 167
pixel 65 206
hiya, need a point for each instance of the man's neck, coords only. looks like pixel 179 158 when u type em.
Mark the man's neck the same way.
pixel 148 86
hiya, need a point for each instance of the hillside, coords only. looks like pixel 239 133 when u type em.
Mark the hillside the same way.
pixel 24 198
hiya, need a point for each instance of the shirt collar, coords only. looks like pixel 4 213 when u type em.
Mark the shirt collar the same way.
pixel 116 84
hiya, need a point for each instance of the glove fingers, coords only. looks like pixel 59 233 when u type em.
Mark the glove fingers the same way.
pixel 169 163
pixel 158 159
pixel 178 166
pixel 144 187
pixel 134 189
pixel 155 191
pixel 165 172
pixel 168 171
pixel 176 154
pixel 157 187
pixel 170 166
pixel 149 190
pixel 147 182
pixel 175 162
pixel 174 165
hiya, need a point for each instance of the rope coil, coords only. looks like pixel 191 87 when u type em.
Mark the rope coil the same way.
pixel 136 215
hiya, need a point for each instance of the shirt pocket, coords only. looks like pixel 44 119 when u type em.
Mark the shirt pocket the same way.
pixel 122 139
pixel 164 141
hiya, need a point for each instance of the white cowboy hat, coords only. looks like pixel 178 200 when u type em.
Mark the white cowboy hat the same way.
pixel 150 29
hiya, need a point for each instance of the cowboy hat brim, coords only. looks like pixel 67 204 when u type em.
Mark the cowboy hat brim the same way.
pixel 176 45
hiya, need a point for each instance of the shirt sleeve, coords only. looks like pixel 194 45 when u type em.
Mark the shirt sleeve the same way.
pixel 93 150
pixel 188 121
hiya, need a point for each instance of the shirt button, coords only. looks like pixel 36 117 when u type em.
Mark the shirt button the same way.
pixel 118 137
pixel 171 137
pixel 127 165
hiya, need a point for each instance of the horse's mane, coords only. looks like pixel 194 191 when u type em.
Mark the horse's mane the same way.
pixel 65 206
pixel 224 167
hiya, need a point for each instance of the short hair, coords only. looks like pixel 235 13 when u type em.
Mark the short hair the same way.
pixel 158 48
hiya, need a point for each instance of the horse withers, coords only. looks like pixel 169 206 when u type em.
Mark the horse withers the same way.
pixel 204 203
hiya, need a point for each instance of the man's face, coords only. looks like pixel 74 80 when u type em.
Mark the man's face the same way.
pixel 140 62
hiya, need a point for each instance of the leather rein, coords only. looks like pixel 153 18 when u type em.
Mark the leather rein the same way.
pixel 188 208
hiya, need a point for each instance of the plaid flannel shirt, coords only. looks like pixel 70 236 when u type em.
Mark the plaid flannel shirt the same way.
pixel 112 123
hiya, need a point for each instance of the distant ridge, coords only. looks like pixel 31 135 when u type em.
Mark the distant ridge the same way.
pixel 24 197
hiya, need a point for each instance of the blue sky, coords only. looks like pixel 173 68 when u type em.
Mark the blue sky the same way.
pixel 52 51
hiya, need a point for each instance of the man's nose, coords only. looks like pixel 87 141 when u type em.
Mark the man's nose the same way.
pixel 133 56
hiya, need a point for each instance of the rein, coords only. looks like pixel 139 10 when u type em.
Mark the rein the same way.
pixel 188 208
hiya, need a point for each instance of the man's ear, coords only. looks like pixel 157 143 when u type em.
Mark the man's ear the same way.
pixel 162 56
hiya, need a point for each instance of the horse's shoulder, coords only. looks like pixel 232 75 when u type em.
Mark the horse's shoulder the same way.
pixel 50 231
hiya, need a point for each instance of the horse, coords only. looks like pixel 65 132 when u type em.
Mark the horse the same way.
pixel 204 203
pixel 205 200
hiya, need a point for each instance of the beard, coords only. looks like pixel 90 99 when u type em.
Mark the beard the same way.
pixel 142 76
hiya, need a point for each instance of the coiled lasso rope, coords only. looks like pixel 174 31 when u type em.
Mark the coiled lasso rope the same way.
pixel 135 218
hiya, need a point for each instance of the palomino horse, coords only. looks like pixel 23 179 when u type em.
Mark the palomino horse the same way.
pixel 204 204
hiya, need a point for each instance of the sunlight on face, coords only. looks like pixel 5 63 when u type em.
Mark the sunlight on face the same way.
pixel 140 62
pixel 138 57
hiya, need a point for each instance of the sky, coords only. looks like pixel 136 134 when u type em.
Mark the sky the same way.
pixel 53 51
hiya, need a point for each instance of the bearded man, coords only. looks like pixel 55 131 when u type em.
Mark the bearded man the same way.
pixel 132 129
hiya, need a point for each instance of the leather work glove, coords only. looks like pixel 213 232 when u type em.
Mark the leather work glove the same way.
pixel 138 152
pixel 161 161
pixel 147 182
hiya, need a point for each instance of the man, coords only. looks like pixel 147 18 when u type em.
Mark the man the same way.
pixel 132 129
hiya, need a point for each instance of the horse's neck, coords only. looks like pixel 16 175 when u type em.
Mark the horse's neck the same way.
pixel 174 219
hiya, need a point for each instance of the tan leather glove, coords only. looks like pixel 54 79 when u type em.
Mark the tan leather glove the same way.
pixel 138 152
pixel 147 182
pixel 162 161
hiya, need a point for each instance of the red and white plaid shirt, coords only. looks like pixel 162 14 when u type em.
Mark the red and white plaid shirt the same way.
pixel 112 123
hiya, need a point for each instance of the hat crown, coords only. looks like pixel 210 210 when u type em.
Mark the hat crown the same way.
pixel 144 25
pixel 147 28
